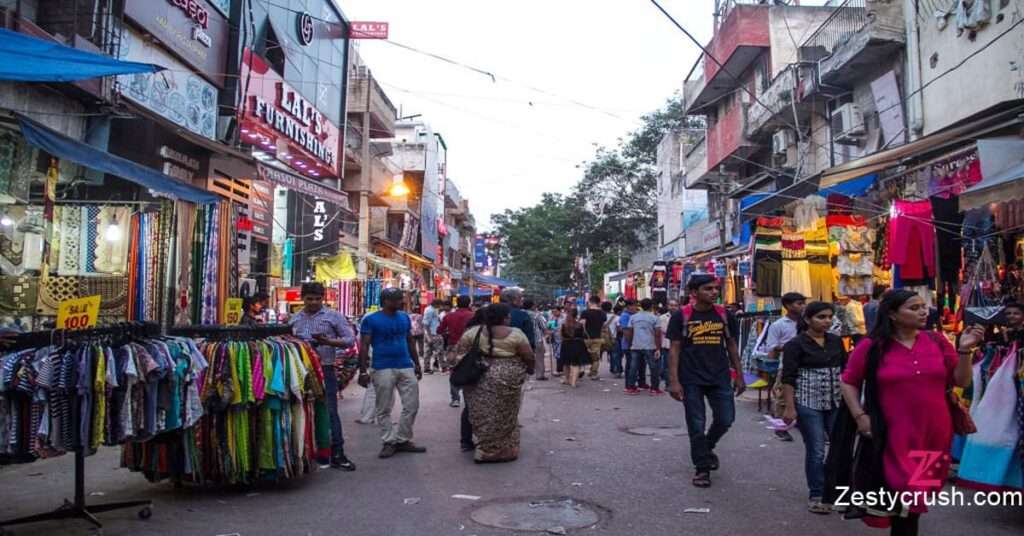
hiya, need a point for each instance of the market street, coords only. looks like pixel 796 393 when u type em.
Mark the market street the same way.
pixel 640 483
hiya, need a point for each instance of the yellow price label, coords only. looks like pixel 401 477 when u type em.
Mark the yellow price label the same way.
pixel 81 313
pixel 233 311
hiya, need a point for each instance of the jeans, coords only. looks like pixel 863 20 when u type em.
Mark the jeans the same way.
pixel 556 350
pixel 653 361
pixel 616 358
pixel 331 388
pixel 723 412
pixel 815 427
pixel 385 383
pixel 435 353
pixel 454 391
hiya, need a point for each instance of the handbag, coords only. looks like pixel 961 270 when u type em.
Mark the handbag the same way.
pixel 963 424
pixel 980 307
pixel 472 367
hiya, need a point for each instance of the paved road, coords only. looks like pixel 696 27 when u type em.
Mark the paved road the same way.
pixel 640 483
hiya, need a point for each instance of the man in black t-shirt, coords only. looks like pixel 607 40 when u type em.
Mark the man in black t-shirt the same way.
pixel 703 348
pixel 593 319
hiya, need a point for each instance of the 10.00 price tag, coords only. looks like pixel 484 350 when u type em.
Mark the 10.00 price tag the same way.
pixel 81 313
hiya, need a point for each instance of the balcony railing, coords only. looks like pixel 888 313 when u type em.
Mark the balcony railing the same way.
pixel 850 17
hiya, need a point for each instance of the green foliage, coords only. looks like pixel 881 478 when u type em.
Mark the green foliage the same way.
pixel 612 208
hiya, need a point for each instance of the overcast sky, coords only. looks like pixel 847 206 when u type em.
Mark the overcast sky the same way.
pixel 620 57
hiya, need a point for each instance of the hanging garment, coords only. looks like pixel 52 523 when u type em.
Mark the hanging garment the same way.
pixel 796 277
pixel 991 456
pixel 912 239
pixel 768 273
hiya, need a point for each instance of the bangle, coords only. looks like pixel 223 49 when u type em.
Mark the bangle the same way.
pixel 856 417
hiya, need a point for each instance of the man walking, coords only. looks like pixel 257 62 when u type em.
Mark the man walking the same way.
pixel 593 320
pixel 326 330
pixel 779 333
pixel 644 340
pixel 513 297
pixel 616 350
pixel 540 328
pixel 555 330
pixel 396 366
pixel 703 346
pixel 434 342
pixel 664 315
pixel 452 328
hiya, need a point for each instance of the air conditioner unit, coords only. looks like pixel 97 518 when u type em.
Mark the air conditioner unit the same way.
pixel 848 124
pixel 782 141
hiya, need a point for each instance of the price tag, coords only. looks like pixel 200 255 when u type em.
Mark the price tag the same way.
pixel 81 313
pixel 233 311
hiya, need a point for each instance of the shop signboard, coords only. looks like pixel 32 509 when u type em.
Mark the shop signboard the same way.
pixel 275 118
pixel 175 93
pixel 233 311
pixel 702 236
pixel 479 252
pixel 317 232
pixel 368 30
pixel 261 207
pixel 302 185
pixel 195 30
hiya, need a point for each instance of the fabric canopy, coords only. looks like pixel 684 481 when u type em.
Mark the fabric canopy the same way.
pixel 336 268
pixel 493 281
pixel 66 148
pixel 24 58
pixel 764 203
pixel 480 292
pixel 1005 186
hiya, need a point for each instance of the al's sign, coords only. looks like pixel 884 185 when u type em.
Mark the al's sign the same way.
pixel 276 119
pixel 368 30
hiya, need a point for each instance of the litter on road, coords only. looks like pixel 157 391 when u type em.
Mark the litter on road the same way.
pixel 466 497
pixel 697 511
pixel 412 500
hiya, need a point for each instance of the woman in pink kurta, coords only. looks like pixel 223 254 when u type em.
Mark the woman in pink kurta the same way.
pixel 915 369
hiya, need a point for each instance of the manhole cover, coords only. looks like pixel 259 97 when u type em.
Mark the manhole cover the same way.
pixel 537 515
pixel 668 431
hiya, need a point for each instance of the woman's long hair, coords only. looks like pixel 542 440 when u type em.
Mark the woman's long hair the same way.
pixel 570 322
pixel 494 315
pixel 810 311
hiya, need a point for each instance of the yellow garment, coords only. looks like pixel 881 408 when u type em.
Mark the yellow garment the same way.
pixel 99 417
pixel 336 268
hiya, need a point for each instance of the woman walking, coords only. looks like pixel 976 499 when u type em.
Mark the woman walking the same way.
pixel 811 363
pixel 904 373
pixel 574 347
pixel 495 399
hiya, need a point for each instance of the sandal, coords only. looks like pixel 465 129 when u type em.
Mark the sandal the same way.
pixel 714 462
pixel 702 479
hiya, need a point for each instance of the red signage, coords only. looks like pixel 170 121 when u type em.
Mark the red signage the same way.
pixel 368 30
pixel 276 120
pixel 194 10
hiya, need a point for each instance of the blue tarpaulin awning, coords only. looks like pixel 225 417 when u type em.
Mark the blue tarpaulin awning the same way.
pixel 66 148
pixel 493 281
pixel 479 293
pixel 766 203
pixel 24 58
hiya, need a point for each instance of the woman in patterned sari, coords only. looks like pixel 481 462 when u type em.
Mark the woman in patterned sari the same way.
pixel 494 401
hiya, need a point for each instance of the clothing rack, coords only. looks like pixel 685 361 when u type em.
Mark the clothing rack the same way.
pixel 78 509
pixel 231 332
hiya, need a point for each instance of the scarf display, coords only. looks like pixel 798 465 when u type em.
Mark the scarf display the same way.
pixel 125 392
pixel 265 418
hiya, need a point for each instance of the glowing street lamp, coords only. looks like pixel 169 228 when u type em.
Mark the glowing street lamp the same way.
pixel 398 187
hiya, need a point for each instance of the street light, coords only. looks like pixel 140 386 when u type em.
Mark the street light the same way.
pixel 398 187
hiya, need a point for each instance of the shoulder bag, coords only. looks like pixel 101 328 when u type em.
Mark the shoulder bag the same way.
pixel 472 367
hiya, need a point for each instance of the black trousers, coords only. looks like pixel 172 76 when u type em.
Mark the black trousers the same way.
pixel 465 428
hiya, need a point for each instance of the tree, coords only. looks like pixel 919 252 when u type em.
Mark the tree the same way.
pixel 612 208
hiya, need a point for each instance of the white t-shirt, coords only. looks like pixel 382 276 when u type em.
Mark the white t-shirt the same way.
pixel 663 326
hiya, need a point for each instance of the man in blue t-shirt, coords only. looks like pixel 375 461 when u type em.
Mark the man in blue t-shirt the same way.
pixel 396 366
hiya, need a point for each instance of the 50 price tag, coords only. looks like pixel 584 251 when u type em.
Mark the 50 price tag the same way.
pixel 233 311
pixel 81 313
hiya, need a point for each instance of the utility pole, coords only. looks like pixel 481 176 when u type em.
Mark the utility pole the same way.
pixel 364 186
pixel 620 257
